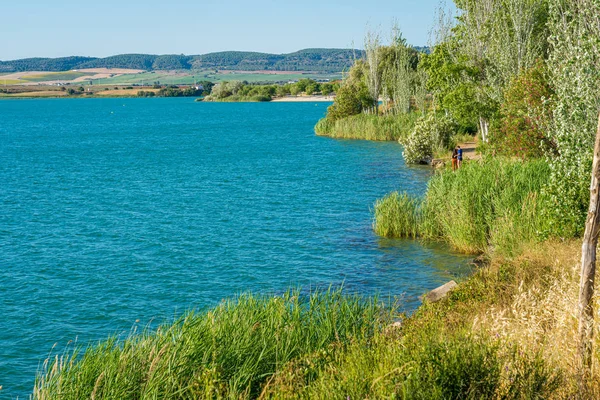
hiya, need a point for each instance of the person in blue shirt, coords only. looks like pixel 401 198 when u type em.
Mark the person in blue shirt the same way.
pixel 459 154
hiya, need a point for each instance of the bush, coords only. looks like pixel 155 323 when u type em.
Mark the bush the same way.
pixel 352 97
pixel 432 133
pixel 526 114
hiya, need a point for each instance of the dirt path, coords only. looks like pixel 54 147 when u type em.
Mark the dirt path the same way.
pixel 469 152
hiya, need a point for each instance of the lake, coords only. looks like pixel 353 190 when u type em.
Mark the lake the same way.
pixel 117 213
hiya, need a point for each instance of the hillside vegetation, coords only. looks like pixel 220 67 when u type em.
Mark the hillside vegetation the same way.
pixel 313 60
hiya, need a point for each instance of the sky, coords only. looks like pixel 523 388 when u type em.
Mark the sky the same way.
pixel 59 28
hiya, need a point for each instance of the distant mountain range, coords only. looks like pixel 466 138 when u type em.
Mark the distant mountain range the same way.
pixel 310 60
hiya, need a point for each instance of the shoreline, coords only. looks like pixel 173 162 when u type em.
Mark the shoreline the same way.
pixel 302 99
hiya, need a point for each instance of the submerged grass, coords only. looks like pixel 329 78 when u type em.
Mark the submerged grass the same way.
pixel 368 127
pixel 494 202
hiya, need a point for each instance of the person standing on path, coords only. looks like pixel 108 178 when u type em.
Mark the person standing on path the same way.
pixel 459 154
pixel 454 159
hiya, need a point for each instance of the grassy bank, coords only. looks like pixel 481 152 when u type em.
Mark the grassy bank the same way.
pixel 368 127
pixel 231 351
pixel 507 332
pixel 504 333
pixel 489 203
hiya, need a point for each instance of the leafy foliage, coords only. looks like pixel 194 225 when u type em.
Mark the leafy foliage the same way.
pixel 44 64
pixel 431 133
pixel 352 97
pixel 526 114
pixel 244 91
pixel 574 67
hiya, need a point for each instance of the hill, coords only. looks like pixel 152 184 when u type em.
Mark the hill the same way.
pixel 310 60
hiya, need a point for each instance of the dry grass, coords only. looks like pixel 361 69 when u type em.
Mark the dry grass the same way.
pixel 538 311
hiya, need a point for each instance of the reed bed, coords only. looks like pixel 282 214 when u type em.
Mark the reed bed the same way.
pixel 398 215
pixel 328 346
pixel 493 203
pixel 504 333
pixel 230 351
pixel 368 127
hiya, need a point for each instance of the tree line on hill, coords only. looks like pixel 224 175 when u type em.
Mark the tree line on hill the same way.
pixel 313 60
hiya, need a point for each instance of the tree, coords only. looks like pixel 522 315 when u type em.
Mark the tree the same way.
pixel 326 89
pixel 500 38
pixel 312 88
pixel 588 267
pixel 353 96
pixel 452 82
pixel 526 115
pixel 574 70
pixel 398 73
pixel 373 70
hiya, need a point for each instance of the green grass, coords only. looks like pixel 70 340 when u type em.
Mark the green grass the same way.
pixel 328 345
pixel 9 81
pixel 493 203
pixel 230 351
pixel 54 76
pixel 368 127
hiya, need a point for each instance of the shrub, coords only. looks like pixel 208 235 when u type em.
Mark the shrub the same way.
pixel 526 114
pixel 431 133
pixel 352 97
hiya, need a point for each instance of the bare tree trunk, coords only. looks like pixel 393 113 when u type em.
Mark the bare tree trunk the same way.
pixel 588 265
pixel 483 128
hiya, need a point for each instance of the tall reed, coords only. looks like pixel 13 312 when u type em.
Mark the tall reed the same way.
pixel 495 202
pixel 368 127
pixel 230 351
pixel 397 215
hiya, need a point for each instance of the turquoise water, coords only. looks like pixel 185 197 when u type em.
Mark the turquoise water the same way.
pixel 114 211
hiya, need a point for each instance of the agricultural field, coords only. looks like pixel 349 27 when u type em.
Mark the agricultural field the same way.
pixel 120 77
pixel 187 78
pixel 53 76
pixel 4 82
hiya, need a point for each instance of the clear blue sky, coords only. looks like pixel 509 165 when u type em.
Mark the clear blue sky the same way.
pixel 57 28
